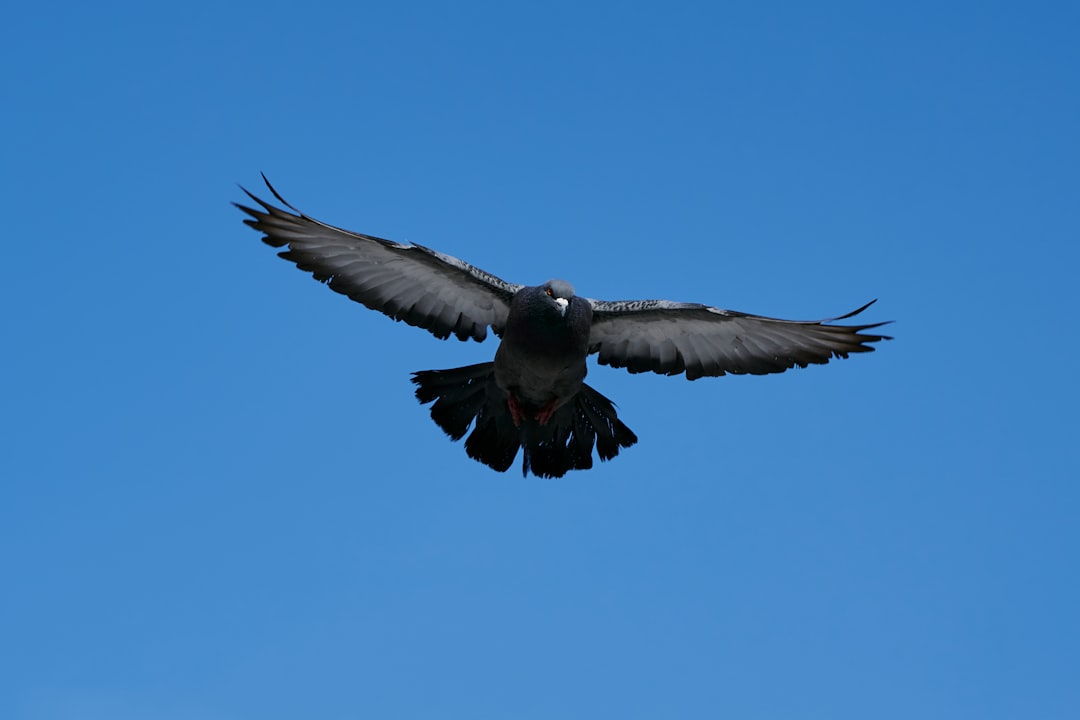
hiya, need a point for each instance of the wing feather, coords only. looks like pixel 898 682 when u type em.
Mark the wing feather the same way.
pixel 668 337
pixel 408 282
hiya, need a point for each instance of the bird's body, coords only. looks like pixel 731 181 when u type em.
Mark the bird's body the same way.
pixel 533 396
pixel 540 363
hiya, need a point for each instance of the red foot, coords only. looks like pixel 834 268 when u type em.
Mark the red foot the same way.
pixel 515 409
pixel 517 414
pixel 545 413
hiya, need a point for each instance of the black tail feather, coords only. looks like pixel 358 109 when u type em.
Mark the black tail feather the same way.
pixel 599 413
pixel 554 449
pixel 459 395
pixel 495 439
pixel 469 396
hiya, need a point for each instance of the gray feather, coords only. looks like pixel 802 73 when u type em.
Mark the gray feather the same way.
pixel 408 282
pixel 670 338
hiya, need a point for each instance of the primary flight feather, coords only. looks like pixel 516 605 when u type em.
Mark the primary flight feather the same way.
pixel 533 396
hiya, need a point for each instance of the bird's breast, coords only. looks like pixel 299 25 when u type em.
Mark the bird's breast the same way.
pixel 539 373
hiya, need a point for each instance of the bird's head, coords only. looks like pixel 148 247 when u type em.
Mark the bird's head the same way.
pixel 558 292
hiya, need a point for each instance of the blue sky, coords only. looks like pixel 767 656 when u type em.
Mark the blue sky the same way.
pixel 220 500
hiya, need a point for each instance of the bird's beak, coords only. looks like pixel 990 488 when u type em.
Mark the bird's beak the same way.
pixel 562 303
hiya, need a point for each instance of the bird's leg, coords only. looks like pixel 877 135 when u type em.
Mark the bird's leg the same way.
pixel 516 414
pixel 544 414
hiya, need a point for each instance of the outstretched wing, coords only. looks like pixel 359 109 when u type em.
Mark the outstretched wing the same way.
pixel 408 282
pixel 671 337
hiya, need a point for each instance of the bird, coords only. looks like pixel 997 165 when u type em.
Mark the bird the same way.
pixel 532 397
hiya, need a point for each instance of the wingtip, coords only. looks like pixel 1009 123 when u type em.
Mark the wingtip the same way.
pixel 267 206
pixel 851 314
pixel 251 195
pixel 274 191
pixel 859 329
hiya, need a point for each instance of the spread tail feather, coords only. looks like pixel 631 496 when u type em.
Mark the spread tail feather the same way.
pixel 469 396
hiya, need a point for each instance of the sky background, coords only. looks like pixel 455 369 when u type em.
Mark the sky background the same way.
pixel 219 499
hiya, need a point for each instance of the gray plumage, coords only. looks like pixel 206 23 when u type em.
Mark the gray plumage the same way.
pixel 533 396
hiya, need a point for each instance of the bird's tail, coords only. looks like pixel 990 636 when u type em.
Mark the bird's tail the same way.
pixel 469 396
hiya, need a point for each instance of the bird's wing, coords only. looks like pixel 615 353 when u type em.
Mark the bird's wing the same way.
pixel 671 337
pixel 408 282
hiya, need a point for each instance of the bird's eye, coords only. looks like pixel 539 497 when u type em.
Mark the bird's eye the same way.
pixel 548 291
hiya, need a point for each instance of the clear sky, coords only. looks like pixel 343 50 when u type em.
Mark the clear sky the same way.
pixel 219 499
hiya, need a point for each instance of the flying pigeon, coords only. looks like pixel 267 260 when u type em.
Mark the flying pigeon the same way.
pixel 533 397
